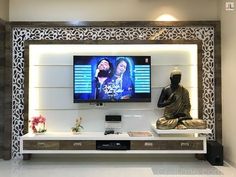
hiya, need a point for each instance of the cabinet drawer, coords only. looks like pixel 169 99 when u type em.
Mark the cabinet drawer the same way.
pixel 77 145
pixel 40 145
pixel 167 145
pixel 143 145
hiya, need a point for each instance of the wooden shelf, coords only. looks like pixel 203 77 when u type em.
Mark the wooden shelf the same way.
pixel 85 143
pixel 82 136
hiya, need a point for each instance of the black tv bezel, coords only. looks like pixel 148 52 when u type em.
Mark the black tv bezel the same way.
pixel 137 100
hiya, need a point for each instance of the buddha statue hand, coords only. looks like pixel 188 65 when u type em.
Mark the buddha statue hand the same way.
pixel 172 98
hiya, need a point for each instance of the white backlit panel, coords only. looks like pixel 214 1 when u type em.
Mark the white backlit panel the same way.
pixel 50 82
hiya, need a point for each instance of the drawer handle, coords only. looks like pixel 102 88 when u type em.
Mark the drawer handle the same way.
pixel 41 144
pixel 184 144
pixel 148 144
pixel 77 144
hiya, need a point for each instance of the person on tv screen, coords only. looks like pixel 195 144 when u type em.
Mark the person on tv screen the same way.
pixel 120 86
pixel 103 72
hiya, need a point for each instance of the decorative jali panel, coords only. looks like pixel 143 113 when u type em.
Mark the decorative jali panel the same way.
pixel 22 34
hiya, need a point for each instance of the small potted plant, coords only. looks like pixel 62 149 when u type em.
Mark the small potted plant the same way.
pixel 38 124
pixel 77 128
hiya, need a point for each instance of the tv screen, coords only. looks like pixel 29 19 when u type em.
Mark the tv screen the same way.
pixel 112 79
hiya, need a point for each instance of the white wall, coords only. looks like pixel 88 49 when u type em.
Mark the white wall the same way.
pixel 228 27
pixel 51 85
pixel 105 10
pixel 4 9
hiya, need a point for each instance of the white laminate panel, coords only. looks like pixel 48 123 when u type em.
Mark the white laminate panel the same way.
pixel 194 113
pixel 53 76
pixel 181 131
pixel 62 76
pixel 193 95
pixel 122 136
pixel 176 56
pixel 50 55
pixel 53 98
pixel 61 98
pixel 161 54
pixel 134 152
pixel 161 75
pixel 94 119
pixel 55 59
pixel 64 120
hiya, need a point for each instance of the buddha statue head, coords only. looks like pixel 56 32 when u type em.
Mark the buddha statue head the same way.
pixel 175 77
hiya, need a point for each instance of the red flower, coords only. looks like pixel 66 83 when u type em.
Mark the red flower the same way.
pixel 35 121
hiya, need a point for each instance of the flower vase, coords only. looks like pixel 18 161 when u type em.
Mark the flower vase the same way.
pixel 39 133
pixel 76 133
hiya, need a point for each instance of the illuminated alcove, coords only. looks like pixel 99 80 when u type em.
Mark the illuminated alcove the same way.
pixel 51 86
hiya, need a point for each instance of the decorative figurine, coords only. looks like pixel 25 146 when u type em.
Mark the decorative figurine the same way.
pixel 77 128
pixel 175 99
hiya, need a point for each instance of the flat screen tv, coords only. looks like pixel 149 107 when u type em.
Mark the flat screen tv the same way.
pixel 111 79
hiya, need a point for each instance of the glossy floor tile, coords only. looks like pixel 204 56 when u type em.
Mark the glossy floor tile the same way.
pixel 113 167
